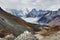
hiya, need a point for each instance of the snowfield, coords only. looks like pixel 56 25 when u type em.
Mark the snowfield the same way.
pixel 31 20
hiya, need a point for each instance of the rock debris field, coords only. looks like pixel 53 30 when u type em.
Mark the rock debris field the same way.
pixel 29 36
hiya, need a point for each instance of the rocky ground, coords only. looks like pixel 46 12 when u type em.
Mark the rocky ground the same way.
pixel 29 36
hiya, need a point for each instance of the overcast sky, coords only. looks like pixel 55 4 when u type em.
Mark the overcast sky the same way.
pixel 38 4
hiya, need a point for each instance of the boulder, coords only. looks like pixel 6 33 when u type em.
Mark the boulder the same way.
pixel 26 36
pixel 10 37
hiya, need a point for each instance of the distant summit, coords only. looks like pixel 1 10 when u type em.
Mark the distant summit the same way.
pixel 43 16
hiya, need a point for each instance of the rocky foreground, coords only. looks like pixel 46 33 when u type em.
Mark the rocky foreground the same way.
pixel 29 36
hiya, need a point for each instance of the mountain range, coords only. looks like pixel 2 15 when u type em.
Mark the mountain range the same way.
pixel 44 17
pixel 15 24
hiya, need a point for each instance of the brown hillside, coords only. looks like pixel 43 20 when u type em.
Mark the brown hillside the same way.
pixel 7 20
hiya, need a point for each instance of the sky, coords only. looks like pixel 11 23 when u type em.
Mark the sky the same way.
pixel 30 4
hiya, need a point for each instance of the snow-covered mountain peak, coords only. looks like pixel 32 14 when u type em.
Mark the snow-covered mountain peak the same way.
pixel 35 16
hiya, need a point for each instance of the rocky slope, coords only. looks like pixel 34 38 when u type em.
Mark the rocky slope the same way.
pixel 12 23
pixel 15 24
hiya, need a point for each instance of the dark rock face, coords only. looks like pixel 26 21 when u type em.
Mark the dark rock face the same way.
pixel 11 23
pixel 44 20
pixel 34 13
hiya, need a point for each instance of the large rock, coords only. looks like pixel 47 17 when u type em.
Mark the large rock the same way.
pixel 2 39
pixel 10 37
pixel 38 36
pixel 26 36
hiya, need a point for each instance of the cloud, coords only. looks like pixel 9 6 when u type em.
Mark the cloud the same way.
pixel 38 4
pixel 53 7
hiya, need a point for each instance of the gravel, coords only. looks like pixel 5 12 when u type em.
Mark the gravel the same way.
pixel 26 36
pixel 10 37
pixel 29 36
pixel 2 39
pixel 55 36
